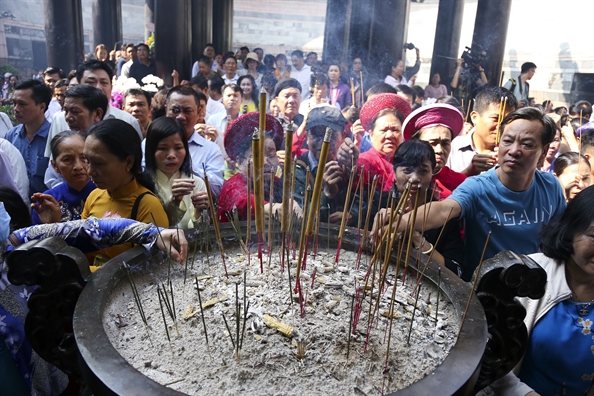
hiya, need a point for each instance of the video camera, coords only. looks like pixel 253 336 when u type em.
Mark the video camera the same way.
pixel 473 56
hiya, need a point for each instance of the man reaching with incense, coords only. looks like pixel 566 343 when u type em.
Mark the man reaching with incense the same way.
pixel 511 201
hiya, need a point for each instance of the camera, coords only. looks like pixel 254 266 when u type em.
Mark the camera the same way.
pixel 409 46
pixel 473 56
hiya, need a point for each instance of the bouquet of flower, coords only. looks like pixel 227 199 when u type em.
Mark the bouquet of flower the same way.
pixel 120 86
pixel 151 83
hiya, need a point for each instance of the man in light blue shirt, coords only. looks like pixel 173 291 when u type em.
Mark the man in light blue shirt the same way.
pixel 31 99
pixel 512 201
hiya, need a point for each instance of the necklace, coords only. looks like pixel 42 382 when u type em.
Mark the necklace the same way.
pixel 584 310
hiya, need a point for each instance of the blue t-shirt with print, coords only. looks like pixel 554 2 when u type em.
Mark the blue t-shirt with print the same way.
pixel 514 218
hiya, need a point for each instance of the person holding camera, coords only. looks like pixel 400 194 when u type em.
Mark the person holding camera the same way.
pixel 468 78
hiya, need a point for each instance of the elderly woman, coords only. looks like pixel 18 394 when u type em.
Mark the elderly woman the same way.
pixel 559 358
pixel 382 116
pixel 438 124
pixel 238 144
pixel 573 172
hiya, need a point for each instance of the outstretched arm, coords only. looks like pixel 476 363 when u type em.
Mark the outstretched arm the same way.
pixel 94 234
pixel 436 216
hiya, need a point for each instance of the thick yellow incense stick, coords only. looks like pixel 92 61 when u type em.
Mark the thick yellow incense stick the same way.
pixel 317 189
pixel 287 177
pixel 258 186
pixel 353 91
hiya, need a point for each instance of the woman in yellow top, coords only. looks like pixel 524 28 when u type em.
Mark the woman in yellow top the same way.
pixel 249 97
pixel 113 151
pixel 168 160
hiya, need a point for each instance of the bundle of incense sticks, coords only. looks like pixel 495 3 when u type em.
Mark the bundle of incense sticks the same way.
pixel 315 197
pixel 258 181
pixel 287 180
pixel 502 105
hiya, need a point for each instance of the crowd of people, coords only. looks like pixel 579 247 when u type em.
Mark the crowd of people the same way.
pixel 474 162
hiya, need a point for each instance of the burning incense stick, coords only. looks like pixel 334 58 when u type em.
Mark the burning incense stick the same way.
pixel 228 329
pixel 135 293
pixel 202 311
pixel 163 314
pixel 215 219
pixel 350 329
pixel 438 292
pixel 345 215
pixel 502 106
pixel 412 320
pixel 353 91
pixel 477 275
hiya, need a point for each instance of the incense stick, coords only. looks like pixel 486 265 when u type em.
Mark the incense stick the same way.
pixel 215 219
pixel 344 215
pixel 478 273
pixel 202 311
pixel 353 91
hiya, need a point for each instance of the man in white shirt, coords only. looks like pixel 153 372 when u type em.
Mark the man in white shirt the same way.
pixel 99 75
pixel 230 66
pixel 301 72
pixel 183 104
pixel 18 169
pixel 130 59
pixel 200 83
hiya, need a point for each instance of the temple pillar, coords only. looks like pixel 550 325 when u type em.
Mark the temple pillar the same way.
pixel 201 26
pixel 490 34
pixel 447 39
pixel 107 23
pixel 222 25
pixel 172 39
pixel 64 33
pixel 388 34
pixel 336 29
pixel 149 18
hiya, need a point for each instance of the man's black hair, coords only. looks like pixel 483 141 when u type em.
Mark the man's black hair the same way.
pixel 130 46
pixel 184 91
pixel 582 106
pixel 405 89
pixel 144 45
pixel 311 53
pixel 92 98
pixel 532 114
pixel 380 88
pixel 216 83
pixel 419 92
pixel 493 95
pixel 319 79
pixel 63 82
pixel 587 140
pixel 244 48
pixel 210 45
pixel 256 49
pixel 40 93
pixel 53 70
pixel 200 81
pixel 139 92
pixel 91 65
pixel 297 53
pixel 527 66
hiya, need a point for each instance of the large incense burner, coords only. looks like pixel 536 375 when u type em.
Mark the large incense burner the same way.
pixel 470 365
pixel 116 374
